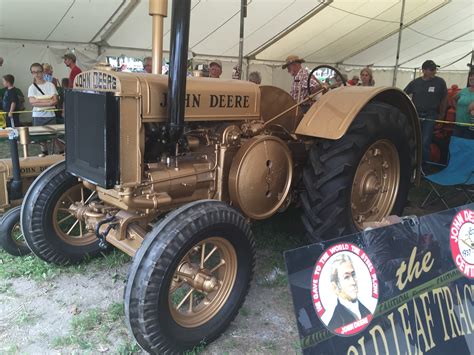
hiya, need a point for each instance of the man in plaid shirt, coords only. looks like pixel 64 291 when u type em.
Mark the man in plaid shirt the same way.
pixel 299 89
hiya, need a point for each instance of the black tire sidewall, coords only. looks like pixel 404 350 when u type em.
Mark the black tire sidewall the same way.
pixel 155 262
pixel 7 223
pixel 37 219
pixel 211 329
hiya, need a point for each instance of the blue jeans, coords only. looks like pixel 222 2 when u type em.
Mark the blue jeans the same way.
pixel 427 128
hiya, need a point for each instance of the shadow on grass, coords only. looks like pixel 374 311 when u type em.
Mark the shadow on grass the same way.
pixel 273 236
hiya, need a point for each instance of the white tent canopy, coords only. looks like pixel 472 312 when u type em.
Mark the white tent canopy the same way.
pixel 348 33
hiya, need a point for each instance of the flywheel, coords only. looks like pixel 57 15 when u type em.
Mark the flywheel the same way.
pixel 260 176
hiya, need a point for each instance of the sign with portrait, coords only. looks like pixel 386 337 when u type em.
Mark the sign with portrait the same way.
pixel 406 288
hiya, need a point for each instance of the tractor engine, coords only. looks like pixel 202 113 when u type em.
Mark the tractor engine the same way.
pixel 118 145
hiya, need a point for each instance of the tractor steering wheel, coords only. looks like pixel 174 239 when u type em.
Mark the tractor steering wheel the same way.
pixel 336 74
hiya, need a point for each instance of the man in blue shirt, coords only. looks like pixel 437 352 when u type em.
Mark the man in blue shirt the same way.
pixel 429 95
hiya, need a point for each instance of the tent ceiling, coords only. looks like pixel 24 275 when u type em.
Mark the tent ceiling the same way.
pixel 54 20
pixel 357 32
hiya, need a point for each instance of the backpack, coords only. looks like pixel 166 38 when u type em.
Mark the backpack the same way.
pixel 21 100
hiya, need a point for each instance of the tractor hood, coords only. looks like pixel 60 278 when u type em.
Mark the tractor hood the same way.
pixel 206 98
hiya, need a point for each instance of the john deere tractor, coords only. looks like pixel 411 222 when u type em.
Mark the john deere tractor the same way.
pixel 16 175
pixel 174 169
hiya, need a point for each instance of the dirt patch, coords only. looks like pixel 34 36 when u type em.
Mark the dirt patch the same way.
pixel 80 310
pixel 74 312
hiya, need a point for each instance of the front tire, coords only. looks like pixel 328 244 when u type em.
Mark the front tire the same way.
pixel 363 176
pixel 11 236
pixel 189 278
pixel 51 231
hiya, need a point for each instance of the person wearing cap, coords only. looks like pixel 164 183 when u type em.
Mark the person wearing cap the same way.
pixel 429 95
pixel 215 69
pixel 70 61
pixel 299 88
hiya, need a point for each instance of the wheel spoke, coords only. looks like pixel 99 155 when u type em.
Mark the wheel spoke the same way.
pixel 74 225
pixel 190 308
pixel 221 263
pixel 80 229
pixel 209 255
pixel 65 218
pixel 203 253
pixel 185 298
pixel 65 210
pixel 82 195
pixel 90 197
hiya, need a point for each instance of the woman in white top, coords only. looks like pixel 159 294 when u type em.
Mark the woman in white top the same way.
pixel 43 96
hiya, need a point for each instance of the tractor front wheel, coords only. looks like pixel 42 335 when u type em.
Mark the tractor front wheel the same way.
pixel 189 278
pixel 51 229
pixel 11 236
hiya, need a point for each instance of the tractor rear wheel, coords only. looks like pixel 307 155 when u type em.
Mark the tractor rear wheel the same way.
pixel 11 236
pixel 51 230
pixel 189 278
pixel 363 176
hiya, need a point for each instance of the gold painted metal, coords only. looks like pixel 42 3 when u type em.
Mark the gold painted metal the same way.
pixel 143 97
pixel 270 94
pixel 68 220
pixel 158 9
pixel 133 240
pixel 202 282
pixel 260 176
pixel 333 113
pixel 375 184
pixel 30 168
pixel 24 139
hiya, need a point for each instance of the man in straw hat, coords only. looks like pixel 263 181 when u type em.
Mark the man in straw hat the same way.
pixel 299 89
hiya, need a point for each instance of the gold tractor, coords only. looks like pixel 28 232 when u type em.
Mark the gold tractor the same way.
pixel 174 169
pixel 16 176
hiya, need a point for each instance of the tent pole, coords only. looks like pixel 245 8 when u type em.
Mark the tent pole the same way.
pixel 394 82
pixel 243 15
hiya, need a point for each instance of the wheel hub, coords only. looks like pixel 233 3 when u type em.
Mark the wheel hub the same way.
pixel 200 280
pixel 375 185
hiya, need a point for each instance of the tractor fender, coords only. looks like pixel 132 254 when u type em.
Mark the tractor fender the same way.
pixel 331 116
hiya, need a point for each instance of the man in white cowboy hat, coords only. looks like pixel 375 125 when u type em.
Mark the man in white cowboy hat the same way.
pixel 299 89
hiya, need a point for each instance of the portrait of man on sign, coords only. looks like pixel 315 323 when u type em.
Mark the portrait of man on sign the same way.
pixel 345 286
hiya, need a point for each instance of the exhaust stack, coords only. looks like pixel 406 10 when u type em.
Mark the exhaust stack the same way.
pixel 180 18
pixel 158 9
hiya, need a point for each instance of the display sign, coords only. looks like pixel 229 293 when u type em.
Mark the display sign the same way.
pixel 407 288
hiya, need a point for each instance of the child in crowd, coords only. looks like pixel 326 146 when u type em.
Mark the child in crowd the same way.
pixel 10 102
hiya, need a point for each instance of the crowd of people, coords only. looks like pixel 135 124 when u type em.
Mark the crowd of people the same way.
pixel 45 94
pixel 428 93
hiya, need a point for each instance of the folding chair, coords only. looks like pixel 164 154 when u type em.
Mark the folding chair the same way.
pixel 459 172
